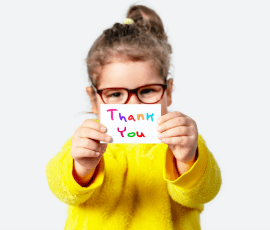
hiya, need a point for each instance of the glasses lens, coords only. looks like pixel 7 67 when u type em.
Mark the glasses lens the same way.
pixel 150 94
pixel 115 96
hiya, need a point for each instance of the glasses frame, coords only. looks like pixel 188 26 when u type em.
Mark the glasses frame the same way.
pixel 132 91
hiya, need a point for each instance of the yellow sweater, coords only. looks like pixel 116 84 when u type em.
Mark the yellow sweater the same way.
pixel 136 186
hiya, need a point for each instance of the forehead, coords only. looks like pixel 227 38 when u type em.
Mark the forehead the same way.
pixel 128 74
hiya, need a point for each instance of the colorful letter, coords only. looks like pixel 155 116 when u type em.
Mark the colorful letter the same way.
pixel 131 134
pixel 142 135
pixel 131 118
pixel 121 131
pixel 122 117
pixel 140 115
pixel 147 116
pixel 111 110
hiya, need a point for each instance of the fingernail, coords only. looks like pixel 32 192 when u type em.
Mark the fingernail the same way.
pixel 158 121
pixel 159 135
pixel 164 140
pixel 103 129
pixel 108 139
pixel 158 128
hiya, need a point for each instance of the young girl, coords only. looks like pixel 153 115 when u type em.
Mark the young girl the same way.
pixel 134 186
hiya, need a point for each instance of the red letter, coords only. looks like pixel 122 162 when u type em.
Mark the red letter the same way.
pixel 121 131
pixel 142 135
pixel 111 110
pixel 131 118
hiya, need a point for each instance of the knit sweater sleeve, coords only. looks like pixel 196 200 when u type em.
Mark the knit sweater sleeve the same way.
pixel 61 180
pixel 197 186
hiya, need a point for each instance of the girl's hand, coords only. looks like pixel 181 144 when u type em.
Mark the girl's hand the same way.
pixel 180 133
pixel 86 149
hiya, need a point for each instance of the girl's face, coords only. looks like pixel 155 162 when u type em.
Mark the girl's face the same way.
pixel 130 75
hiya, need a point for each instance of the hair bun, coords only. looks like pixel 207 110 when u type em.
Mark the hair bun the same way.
pixel 119 30
pixel 148 20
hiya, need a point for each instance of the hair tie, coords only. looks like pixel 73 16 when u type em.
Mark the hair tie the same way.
pixel 128 21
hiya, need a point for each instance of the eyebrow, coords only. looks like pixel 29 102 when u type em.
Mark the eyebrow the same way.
pixel 133 88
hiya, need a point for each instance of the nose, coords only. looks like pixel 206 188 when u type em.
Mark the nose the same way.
pixel 133 99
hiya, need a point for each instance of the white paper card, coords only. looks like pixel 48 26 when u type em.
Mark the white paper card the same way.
pixel 131 123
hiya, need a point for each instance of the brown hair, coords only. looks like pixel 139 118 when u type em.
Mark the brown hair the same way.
pixel 145 39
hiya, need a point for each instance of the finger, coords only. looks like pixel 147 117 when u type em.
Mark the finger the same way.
pixel 94 147
pixel 89 123
pixel 93 134
pixel 87 144
pixel 182 141
pixel 169 116
pixel 175 132
pixel 82 153
pixel 174 122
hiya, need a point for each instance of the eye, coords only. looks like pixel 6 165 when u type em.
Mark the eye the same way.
pixel 146 91
pixel 116 94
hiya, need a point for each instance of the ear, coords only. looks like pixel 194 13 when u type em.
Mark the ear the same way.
pixel 93 98
pixel 169 91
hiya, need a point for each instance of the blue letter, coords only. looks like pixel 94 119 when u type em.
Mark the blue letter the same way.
pixel 147 116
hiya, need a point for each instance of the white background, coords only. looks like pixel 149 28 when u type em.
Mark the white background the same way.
pixel 221 57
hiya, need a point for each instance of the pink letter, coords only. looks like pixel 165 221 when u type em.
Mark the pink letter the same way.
pixel 121 131
pixel 111 110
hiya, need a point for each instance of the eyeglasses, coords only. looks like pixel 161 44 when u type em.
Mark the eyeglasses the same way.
pixel 147 94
